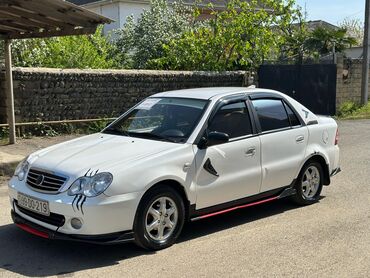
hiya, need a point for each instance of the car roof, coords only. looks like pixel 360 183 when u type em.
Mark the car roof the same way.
pixel 211 92
pixel 215 93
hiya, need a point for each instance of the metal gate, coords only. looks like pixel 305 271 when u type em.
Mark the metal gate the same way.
pixel 312 85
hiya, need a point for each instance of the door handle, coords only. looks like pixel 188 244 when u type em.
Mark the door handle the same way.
pixel 251 151
pixel 299 139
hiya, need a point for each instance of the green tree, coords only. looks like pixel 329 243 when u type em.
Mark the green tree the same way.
pixel 294 37
pixel 322 41
pixel 301 45
pixel 143 41
pixel 239 37
pixel 86 51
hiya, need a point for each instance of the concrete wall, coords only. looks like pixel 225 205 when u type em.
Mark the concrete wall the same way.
pixel 349 73
pixel 53 94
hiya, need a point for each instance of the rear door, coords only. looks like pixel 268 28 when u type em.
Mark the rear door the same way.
pixel 283 142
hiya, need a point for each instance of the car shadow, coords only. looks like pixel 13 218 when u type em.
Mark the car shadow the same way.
pixel 235 218
pixel 28 255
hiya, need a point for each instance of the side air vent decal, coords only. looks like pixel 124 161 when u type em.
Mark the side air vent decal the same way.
pixel 209 168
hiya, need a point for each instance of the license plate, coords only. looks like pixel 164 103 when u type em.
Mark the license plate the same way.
pixel 33 204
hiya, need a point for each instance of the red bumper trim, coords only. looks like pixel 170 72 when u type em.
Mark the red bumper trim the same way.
pixel 32 230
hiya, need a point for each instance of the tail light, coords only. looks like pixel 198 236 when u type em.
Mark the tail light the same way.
pixel 336 137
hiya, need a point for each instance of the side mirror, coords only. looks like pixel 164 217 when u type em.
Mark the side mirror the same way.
pixel 214 138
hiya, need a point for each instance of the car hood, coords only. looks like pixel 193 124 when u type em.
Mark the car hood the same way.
pixel 96 152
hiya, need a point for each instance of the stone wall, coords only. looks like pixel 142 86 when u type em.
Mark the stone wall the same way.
pixel 53 94
pixel 349 74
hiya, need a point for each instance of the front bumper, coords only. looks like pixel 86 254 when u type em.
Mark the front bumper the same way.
pixel 106 239
pixel 100 215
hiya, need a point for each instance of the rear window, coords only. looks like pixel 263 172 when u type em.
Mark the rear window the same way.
pixel 271 114
pixel 294 121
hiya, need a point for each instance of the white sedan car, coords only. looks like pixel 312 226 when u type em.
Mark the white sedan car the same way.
pixel 176 156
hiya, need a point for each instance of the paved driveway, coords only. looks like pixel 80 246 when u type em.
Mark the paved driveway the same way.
pixel 328 239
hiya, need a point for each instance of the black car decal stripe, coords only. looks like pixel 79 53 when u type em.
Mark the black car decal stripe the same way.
pixel 77 203
pixel 87 172
pixel 74 199
pixel 82 203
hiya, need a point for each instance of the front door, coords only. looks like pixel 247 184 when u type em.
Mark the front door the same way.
pixel 232 170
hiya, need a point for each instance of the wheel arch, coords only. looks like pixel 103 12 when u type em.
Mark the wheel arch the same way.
pixel 177 186
pixel 317 157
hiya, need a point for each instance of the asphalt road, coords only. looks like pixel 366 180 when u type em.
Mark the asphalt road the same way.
pixel 327 239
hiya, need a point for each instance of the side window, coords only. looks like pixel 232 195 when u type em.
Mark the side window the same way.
pixel 271 114
pixel 232 119
pixel 294 121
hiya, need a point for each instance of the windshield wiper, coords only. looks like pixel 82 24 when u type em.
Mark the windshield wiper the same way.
pixel 115 131
pixel 152 136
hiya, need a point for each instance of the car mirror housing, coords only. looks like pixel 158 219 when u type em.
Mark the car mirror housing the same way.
pixel 202 144
pixel 213 138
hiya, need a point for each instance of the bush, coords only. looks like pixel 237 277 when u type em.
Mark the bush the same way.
pixel 352 110
pixel 85 51
pixel 97 126
pixel 4 132
pixel 347 108
pixel 362 113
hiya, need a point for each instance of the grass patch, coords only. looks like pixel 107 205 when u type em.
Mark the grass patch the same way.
pixel 351 110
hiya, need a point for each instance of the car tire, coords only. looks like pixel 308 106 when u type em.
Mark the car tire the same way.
pixel 309 184
pixel 159 219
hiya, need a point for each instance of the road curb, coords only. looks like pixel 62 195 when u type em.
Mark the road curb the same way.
pixel 8 162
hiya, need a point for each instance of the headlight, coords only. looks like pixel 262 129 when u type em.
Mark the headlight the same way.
pixel 22 169
pixel 91 186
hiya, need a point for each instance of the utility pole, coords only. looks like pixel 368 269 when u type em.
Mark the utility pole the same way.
pixel 365 57
pixel 9 90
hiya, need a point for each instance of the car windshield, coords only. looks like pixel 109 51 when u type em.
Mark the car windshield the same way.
pixel 165 119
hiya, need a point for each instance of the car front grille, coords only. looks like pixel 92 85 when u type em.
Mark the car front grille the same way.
pixel 44 181
pixel 53 219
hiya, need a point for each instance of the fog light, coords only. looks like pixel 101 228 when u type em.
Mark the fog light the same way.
pixel 76 223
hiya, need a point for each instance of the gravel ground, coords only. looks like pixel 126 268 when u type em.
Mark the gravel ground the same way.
pixel 10 155
pixel 327 239
pixel 27 146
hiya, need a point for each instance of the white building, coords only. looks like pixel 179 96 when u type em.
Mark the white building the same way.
pixel 354 52
pixel 118 10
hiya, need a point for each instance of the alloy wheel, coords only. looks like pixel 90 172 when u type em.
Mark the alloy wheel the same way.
pixel 310 182
pixel 161 219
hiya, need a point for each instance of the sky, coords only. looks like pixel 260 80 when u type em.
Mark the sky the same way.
pixel 333 11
